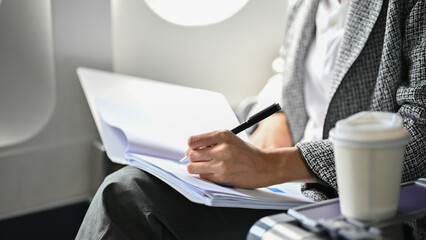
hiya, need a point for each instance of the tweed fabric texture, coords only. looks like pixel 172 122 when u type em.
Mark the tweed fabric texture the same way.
pixel 381 66
pixel 299 34
pixel 389 74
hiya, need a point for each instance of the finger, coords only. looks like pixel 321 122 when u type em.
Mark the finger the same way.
pixel 199 167
pixel 208 176
pixel 208 139
pixel 212 177
pixel 201 154
pixel 187 151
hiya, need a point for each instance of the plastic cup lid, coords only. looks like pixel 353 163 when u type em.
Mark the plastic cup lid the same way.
pixel 370 127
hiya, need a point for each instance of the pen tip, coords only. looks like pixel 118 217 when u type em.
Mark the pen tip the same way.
pixel 184 160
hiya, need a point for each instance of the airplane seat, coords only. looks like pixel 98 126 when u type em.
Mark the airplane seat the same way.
pixel 49 147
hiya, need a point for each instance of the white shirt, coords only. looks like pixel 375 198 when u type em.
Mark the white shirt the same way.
pixel 320 62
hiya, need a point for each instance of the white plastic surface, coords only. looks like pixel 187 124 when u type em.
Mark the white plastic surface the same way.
pixel 232 57
pixel 27 85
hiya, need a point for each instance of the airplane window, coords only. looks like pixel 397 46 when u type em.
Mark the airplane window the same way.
pixel 195 12
pixel 27 83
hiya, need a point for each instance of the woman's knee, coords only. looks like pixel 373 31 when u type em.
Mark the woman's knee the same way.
pixel 124 176
pixel 124 185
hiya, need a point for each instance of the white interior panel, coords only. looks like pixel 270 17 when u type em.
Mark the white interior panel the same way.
pixel 232 57
pixel 38 80
pixel 27 86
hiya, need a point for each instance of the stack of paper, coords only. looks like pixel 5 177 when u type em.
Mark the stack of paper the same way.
pixel 147 126
pixel 281 196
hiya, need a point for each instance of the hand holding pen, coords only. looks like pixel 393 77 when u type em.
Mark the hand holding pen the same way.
pixel 249 123
pixel 231 161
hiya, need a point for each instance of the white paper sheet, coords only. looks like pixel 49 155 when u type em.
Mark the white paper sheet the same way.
pixel 282 196
pixel 146 124
pixel 169 112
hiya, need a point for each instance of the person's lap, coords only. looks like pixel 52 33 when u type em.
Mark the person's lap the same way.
pixel 135 204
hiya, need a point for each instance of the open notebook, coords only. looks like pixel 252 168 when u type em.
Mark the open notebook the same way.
pixel 146 124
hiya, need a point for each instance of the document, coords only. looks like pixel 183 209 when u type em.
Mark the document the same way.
pixel 147 126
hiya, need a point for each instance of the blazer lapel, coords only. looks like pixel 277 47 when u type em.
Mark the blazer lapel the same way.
pixel 300 35
pixel 362 16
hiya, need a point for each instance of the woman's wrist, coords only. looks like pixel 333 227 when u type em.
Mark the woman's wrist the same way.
pixel 285 165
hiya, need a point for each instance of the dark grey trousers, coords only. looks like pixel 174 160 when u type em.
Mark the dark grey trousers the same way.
pixel 132 204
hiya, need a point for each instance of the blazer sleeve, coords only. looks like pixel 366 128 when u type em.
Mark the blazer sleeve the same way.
pixel 411 96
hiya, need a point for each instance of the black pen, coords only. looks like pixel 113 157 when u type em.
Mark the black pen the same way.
pixel 251 121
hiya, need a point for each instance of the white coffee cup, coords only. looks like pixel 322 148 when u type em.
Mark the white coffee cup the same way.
pixel 369 150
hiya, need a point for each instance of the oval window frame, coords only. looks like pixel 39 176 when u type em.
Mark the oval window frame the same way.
pixel 195 12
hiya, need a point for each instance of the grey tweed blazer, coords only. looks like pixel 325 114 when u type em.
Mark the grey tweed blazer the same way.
pixel 381 66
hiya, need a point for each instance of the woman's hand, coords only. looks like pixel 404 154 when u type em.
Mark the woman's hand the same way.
pixel 272 133
pixel 224 158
